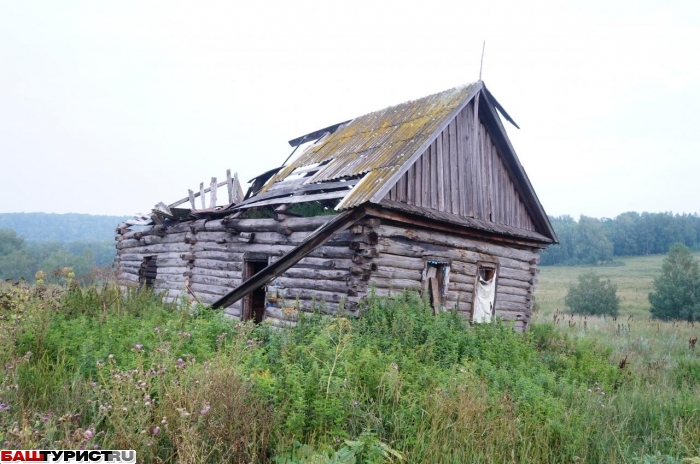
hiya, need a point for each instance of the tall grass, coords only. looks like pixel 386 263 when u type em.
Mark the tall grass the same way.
pixel 97 367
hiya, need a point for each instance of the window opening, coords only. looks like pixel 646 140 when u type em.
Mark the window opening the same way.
pixel 148 272
pixel 254 303
pixel 437 274
pixel 485 292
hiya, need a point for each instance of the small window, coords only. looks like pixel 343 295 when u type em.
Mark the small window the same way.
pixel 484 304
pixel 148 272
pixel 437 276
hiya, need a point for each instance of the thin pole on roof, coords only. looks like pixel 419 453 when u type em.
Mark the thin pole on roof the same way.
pixel 481 66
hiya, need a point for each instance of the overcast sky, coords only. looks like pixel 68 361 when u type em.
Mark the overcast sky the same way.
pixel 111 107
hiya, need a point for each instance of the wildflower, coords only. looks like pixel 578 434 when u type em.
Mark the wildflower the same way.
pixel 96 447
pixel 602 393
pixel 180 362
pixel 93 384
pixel 250 342
pixel 205 410
pixel 137 347
pixel 355 403
pixel 110 357
pixel 156 430
pixel 88 434
pixel 394 366
pixel 156 329
pixel 589 390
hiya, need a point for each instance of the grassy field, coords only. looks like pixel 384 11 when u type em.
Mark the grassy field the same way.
pixel 633 276
pixel 95 368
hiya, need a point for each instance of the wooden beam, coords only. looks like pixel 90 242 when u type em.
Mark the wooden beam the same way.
pixel 318 238
pixel 191 196
pixel 196 194
pixel 212 195
pixel 201 195
pixel 229 186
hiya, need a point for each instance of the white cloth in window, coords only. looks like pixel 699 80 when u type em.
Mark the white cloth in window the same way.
pixel 485 297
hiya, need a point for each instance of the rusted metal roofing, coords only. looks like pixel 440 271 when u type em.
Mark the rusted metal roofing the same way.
pixel 375 146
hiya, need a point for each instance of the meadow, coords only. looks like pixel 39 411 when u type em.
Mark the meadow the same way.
pixel 95 367
pixel 633 276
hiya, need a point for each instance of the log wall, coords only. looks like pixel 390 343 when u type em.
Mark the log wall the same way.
pixel 402 251
pixel 463 174
pixel 204 260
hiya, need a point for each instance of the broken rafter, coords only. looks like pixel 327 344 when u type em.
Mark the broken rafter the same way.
pixel 313 241
pixel 237 191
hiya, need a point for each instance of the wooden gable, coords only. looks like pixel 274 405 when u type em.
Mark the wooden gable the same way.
pixel 464 172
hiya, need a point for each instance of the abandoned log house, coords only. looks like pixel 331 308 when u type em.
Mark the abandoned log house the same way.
pixel 426 196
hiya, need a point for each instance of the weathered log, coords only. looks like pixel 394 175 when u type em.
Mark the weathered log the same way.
pixel 421 249
pixel 152 240
pixel 311 284
pixel 331 252
pixel 208 236
pixel 218 256
pixel 399 284
pixel 522 299
pixel 239 247
pixel 453 241
pixel 515 274
pixel 211 289
pixel 403 262
pixel 323 263
pixel 398 273
pixel 213 280
pixel 509 306
pixel 218 265
pixel 270 225
pixel 291 294
pixel 460 287
pixel 297 272
pixel 161 248
pixel 171 269
pixel 500 288
pixel 171 278
pixel 137 233
pixel 129 243
pixel 513 283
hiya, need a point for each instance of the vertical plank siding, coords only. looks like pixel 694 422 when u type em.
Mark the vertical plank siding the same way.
pixel 459 175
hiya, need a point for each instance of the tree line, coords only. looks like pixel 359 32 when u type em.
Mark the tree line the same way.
pixel 20 258
pixel 71 227
pixel 595 241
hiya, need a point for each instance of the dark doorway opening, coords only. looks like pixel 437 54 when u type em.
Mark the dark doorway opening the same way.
pixel 148 272
pixel 254 302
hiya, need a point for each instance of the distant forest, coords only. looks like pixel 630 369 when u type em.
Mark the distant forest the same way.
pixel 61 227
pixel 30 242
pixel 597 241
